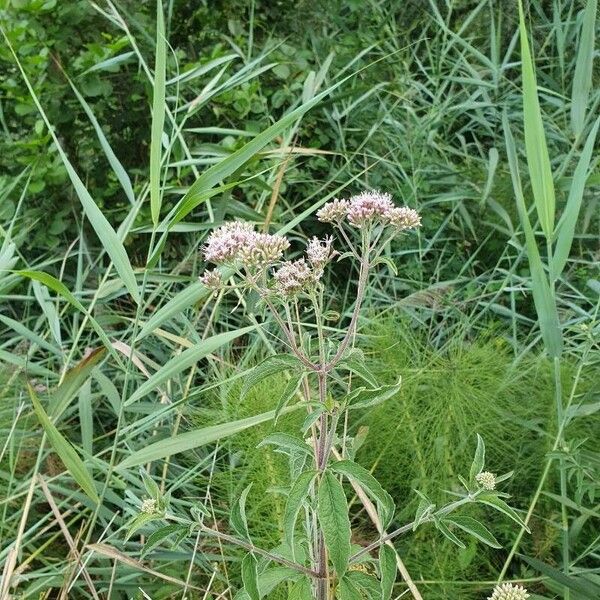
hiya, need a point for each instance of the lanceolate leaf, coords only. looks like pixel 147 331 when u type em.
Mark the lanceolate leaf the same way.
pixel 287 443
pixel 447 533
pixel 185 360
pixel 387 569
pixel 250 577
pixel 65 450
pixel 370 485
pixel 363 397
pixel 499 504
pixel 295 499
pixel 334 520
pixel 238 515
pixel 475 528
pixel 269 366
pixel 478 460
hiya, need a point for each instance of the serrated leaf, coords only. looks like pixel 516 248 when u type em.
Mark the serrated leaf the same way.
pixel 156 537
pixel 478 461
pixel 354 361
pixel 139 520
pixel 389 262
pixel 475 528
pixel 286 442
pixel 65 450
pixel 387 571
pixel 269 366
pixel 288 393
pixel 298 492
pixel 370 485
pixel 250 576
pixel 363 397
pixel 301 590
pixel 238 519
pixel 347 590
pixel 335 523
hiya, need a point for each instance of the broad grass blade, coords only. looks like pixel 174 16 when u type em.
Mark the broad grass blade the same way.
pixel 543 298
pixel 186 359
pixel 582 80
pixel 65 450
pixel 194 439
pixel 568 220
pixel 158 114
pixel 538 159
pixel 107 235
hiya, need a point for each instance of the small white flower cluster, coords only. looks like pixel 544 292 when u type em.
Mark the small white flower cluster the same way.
pixel 148 506
pixel 369 208
pixel 293 277
pixel 486 480
pixel 509 591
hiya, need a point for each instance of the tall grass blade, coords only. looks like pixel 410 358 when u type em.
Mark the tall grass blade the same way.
pixel 545 304
pixel 158 114
pixel 582 80
pixel 186 359
pixel 65 450
pixel 568 220
pixel 107 235
pixel 538 159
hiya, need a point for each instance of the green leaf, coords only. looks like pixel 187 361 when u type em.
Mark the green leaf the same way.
pixel 250 576
pixel 139 521
pixel 423 509
pixel 582 80
pixel 568 220
pixel 269 366
pixel 298 492
pixel 287 443
pixel 363 397
pixel 538 160
pixel 301 590
pixel 161 534
pixel 158 114
pixel 288 393
pixel 354 361
pixel 387 570
pixel 73 380
pixel 544 301
pixel 478 461
pixel 370 485
pixel 335 523
pixel 238 519
pixel 268 580
pixel 447 533
pixel 347 590
pixel 475 528
pixel 195 438
pixel 65 450
pixel 186 359
pixel 501 506
pixel 150 485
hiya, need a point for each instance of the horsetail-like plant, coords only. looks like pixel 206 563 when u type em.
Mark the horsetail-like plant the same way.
pixel 319 559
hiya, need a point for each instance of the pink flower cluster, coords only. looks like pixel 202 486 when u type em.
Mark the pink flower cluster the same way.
pixel 237 241
pixel 320 252
pixel 369 208
pixel 293 277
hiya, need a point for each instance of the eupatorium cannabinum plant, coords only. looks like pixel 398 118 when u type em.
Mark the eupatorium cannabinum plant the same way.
pixel 328 377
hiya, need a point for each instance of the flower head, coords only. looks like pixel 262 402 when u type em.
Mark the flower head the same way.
pixel 486 480
pixel 368 207
pixel 319 253
pixel 149 506
pixel 224 243
pixel 509 591
pixel 237 241
pixel 293 277
pixel 211 278
pixel 262 250
pixel 333 212
pixel 402 217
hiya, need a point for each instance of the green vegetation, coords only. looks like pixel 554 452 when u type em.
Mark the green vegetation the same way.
pixel 123 148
